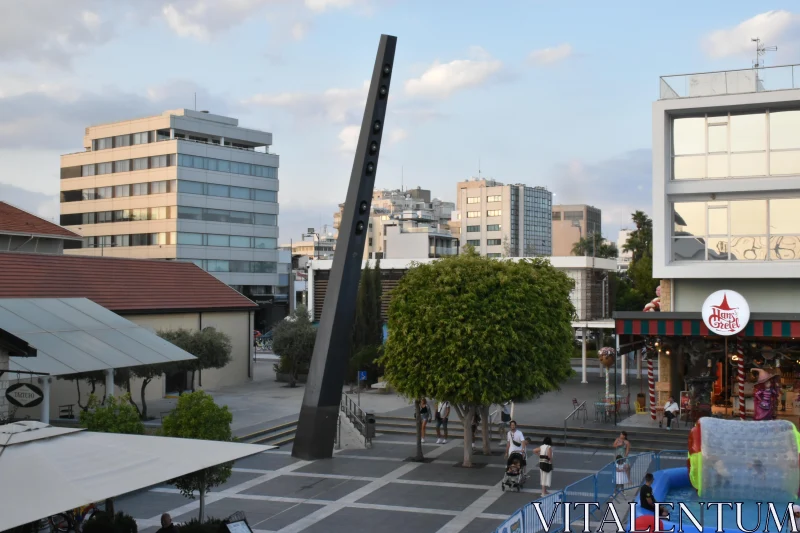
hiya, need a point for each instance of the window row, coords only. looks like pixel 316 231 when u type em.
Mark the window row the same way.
pixel 223 215
pixel 121 141
pixel 477 199
pixel 229 241
pixel 221 165
pixel 489 242
pixel 226 191
pixel 494 213
pixel 736 145
pixel 754 230
pixel 489 227
pixel 248 267
pixel 135 239
pixel 119 215
pixel 119 191
pixel 127 165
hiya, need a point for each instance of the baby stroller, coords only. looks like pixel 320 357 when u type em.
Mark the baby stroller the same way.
pixel 516 472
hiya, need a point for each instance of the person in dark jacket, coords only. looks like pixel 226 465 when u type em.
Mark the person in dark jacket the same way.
pixel 166 524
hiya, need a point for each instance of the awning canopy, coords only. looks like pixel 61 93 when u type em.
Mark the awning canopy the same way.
pixel 47 470
pixel 778 325
pixel 72 335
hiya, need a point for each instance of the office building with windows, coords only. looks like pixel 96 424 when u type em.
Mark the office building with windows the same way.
pixel 573 222
pixel 184 185
pixel 504 220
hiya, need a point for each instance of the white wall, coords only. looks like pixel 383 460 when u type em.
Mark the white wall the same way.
pixel 762 295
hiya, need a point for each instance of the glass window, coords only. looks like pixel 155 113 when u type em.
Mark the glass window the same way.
pixel 784 163
pixel 215 265
pixel 87 194
pixel 239 266
pixel 496 198
pixel 104 168
pixel 190 238
pixel 103 193
pixel 748 132
pixel 71 196
pixel 748 248
pixel 159 213
pixel 493 242
pixel 105 216
pixel 139 189
pixel 120 191
pixel 217 190
pixel 211 164
pixel 241 217
pixel 749 217
pixel 191 213
pixel 140 214
pixel 103 144
pixel 267 243
pixel 216 215
pixel 237 241
pixel 87 170
pixel 473 229
pixel 122 166
pixel 690 167
pixel 234 167
pixel 473 214
pixel 244 168
pixel 688 136
pixel 191 187
pixel 493 227
pixel 690 218
pixel 718 221
pixel 122 140
pixel 218 240
pixel 198 162
pixel 122 215
pixel 265 196
pixel 265 220
pixel 121 240
pixel 474 242
pixel 158 161
pixel 494 256
pixel 784 130
pixel 494 213
pixel 184 160
pixel 141 138
pixel 158 187
pixel 783 216
pixel 263 267
pixel 140 163
pixel 744 165
pixel 240 192
pixel 474 200
pixel 718 166
pixel 223 166
pixel 717 138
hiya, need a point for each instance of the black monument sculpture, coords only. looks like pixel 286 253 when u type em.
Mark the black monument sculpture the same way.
pixel 316 429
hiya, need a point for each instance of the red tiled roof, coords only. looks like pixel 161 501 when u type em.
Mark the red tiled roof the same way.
pixel 121 285
pixel 19 222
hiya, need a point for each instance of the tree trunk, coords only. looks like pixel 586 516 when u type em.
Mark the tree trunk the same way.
pixel 78 385
pixel 192 387
pixel 467 423
pixel 145 382
pixel 419 457
pixel 202 505
pixel 110 507
pixel 130 398
pixel 487 438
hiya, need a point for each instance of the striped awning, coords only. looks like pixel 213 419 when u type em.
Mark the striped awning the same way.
pixel 665 326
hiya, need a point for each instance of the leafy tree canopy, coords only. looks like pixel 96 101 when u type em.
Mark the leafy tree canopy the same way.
pixel 478 331
pixel 116 415
pixel 293 340
pixel 595 245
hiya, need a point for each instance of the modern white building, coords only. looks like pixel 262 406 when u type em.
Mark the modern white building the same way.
pixel 624 258
pixel 182 185
pixel 504 220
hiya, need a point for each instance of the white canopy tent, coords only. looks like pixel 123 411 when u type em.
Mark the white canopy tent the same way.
pixel 47 470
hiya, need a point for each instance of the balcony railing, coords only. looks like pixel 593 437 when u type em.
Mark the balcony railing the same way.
pixel 742 81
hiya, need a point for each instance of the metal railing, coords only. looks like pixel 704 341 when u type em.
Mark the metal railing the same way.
pixel 358 417
pixel 576 413
pixel 752 80
pixel 600 488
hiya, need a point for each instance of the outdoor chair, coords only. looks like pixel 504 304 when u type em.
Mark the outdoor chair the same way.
pixel 581 409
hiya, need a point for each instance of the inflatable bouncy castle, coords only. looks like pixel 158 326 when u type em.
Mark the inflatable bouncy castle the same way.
pixel 734 460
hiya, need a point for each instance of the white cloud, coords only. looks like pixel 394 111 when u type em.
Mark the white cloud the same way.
pixel 334 105
pixel 549 56
pixel 299 30
pixel 395 136
pixel 204 19
pixel 441 80
pixel 736 41
pixel 322 5
pixel 349 138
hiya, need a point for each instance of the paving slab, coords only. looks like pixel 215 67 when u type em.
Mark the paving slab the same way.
pixel 237 478
pixel 266 461
pixel 147 504
pixel 316 488
pixel 271 516
pixel 483 525
pixel 351 519
pixel 349 466
pixel 441 471
pixel 510 502
pixel 398 451
pixel 422 496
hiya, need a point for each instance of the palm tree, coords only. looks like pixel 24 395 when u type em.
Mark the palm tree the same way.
pixel 596 246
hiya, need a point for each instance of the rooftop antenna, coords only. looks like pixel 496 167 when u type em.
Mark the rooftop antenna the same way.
pixel 195 101
pixel 479 168
pixel 761 49
pixel 401 179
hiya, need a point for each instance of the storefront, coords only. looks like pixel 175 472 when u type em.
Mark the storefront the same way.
pixel 709 360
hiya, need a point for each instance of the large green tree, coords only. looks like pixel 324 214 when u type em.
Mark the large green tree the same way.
pixel 478 331
pixel 293 340
pixel 640 245
pixel 197 416
pixel 211 347
pixel 114 415
pixel 595 245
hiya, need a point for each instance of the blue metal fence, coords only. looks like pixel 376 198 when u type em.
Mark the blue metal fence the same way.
pixel 600 488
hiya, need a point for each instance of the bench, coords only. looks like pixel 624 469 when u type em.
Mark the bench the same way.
pixel 381 387
pixel 66 411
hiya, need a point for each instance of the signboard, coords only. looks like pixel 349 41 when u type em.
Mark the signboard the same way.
pixel 24 395
pixel 362 375
pixel 239 527
pixel 726 313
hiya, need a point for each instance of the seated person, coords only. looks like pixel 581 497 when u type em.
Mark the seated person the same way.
pixel 646 499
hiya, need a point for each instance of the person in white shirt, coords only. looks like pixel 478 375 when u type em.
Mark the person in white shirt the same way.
pixel 516 442
pixel 442 414
pixel 671 410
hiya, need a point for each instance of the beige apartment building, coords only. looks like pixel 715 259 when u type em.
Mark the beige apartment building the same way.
pixel 503 220
pixel 183 185
pixel 571 223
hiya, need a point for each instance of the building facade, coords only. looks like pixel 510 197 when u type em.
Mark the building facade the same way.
pixel 571 223
pixel 624 258
pixel 183 185
pixel 500 220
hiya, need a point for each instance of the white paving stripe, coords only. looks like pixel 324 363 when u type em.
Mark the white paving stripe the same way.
pixel 463 519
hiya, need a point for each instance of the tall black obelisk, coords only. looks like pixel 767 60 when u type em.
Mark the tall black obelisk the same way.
pixel 316 430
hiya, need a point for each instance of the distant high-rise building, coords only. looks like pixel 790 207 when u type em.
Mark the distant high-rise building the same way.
pixel 183 185
pixel 504 220
pixel 571 223
pixel 624 258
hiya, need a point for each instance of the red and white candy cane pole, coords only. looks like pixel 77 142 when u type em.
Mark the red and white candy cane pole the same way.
pixel 652 384
pixel 740 361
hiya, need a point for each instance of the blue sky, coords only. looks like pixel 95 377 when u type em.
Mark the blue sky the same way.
pixel 541 94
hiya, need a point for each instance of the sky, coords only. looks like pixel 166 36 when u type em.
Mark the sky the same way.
pixel 557 94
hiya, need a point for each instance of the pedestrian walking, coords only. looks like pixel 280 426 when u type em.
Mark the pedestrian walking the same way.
pixel 442 415
pixel 425 415
pixel 545 453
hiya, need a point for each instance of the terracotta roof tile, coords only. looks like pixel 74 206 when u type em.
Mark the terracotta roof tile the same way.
pixel 121 285
pixel 19 222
